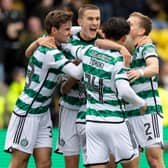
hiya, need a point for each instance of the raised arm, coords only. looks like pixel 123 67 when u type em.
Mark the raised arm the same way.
pixel 47 41
pixel 31 48
pixel 108 44
pixel 77 51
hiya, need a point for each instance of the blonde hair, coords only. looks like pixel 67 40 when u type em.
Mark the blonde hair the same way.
pixel 86 7
pixel 145 21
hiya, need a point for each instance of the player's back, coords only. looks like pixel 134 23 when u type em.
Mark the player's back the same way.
pixel 101 68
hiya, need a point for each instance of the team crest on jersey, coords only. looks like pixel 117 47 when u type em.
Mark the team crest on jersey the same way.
pixel 24 142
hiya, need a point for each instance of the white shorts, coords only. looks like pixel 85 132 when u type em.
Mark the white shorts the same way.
pixel 25 133
pixel 68 141
pixel 148 129
pixel 81 131
pixel 103 139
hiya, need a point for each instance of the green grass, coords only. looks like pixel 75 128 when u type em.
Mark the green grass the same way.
pixel 58 160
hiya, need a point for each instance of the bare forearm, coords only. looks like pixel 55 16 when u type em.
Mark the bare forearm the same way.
pixel 67 85
pixel 31 48
pixel 47 41
pixel 151 70
pixel 108 44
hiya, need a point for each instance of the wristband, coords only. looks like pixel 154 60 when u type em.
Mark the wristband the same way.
pixel 141 72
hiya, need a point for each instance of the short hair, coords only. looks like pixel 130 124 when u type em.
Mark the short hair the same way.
pixel 145 22
pixel 56 18
pixel 115 27
pixel 86 7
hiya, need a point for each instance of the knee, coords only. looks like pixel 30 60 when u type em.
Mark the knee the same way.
pixel 44 164
pixel 153 164
pixel 154 161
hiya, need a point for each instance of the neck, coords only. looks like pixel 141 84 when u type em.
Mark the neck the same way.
pixel 54 43
pixel 136 40
pixel 82 35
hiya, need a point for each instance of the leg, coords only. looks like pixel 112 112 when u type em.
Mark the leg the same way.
pixel 71 161
pixel 131 164
pixel 42 157
pixel 98 166
pixel 68 142
pixel 154 157
pixel 19 159
pixel 112 163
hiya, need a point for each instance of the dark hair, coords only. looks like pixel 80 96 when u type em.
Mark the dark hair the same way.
pixel 86 7
pixel 56 18
pixel 115 27
pixel 145 21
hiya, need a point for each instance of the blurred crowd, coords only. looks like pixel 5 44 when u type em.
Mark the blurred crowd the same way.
pixel 21 22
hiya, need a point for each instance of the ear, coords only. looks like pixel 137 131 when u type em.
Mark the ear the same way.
pixel 53 30
pixel 141 31
pixel 123 38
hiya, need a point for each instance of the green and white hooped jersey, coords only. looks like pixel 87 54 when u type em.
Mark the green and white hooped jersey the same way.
pixel 76 97
pixel 43 69
pixel 145 87
pixel 101 69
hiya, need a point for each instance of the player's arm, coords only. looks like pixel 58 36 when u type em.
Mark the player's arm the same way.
pixel 151 69
pixel 76 51
pixel 108 44
pixel 127 93
pixel 73 70
pixel 67 85
pixel 31 48
pixel 152 64
pixel 120 84
pixel 47 41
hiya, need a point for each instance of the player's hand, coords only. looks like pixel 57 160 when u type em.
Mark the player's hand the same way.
pixel 100 33
pixel 143 109
pixel 133 75
pixel 76 61
pixel 47 41
pixel 144 40
pixel 126 56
